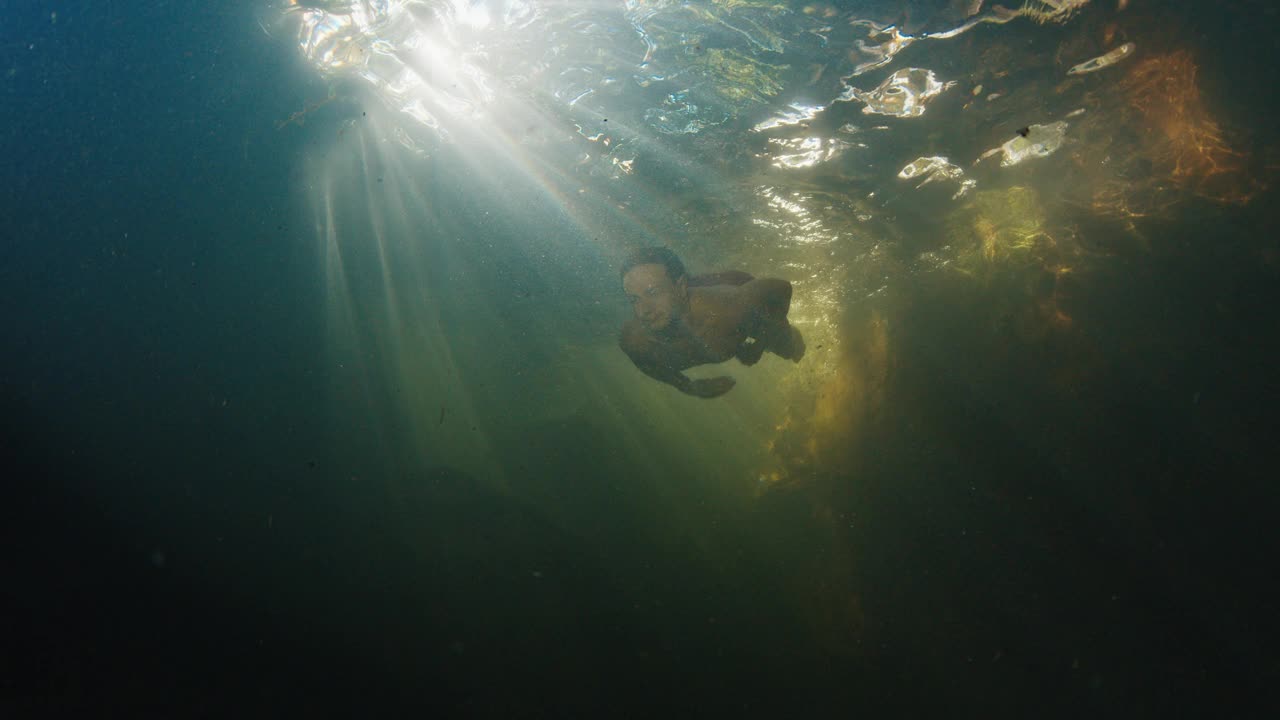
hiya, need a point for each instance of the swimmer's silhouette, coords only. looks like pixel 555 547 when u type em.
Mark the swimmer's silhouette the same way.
pixel 683 321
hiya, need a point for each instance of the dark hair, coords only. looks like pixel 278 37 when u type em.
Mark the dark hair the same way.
pixel 655 256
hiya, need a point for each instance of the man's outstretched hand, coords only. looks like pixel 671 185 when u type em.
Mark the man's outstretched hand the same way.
pixel 712 387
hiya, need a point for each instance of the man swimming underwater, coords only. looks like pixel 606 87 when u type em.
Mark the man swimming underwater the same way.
pixel 683 321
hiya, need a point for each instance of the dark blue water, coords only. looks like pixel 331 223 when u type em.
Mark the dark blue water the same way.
pixel 295 420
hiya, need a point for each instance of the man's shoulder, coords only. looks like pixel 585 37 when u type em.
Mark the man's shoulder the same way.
pixel 717 297
pixel 725 301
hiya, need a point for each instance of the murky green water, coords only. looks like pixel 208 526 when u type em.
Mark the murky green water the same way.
pixel 314 391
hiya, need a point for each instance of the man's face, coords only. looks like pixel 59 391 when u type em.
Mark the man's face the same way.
pixel 657 300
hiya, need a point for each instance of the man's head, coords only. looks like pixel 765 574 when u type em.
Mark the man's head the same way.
pixel 655 283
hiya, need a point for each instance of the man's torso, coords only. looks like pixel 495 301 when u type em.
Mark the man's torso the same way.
pixel 715 330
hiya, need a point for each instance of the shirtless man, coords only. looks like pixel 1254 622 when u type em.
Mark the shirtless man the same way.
pixel 681 321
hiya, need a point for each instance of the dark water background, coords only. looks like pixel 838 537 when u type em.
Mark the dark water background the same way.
pixel 203 516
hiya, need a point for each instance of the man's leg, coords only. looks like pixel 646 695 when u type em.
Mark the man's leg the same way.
pixel 772 331
pixel 786 341
pixel 779 337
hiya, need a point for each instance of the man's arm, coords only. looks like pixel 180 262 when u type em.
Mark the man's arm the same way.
pixel 637 348
pixel 705 388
